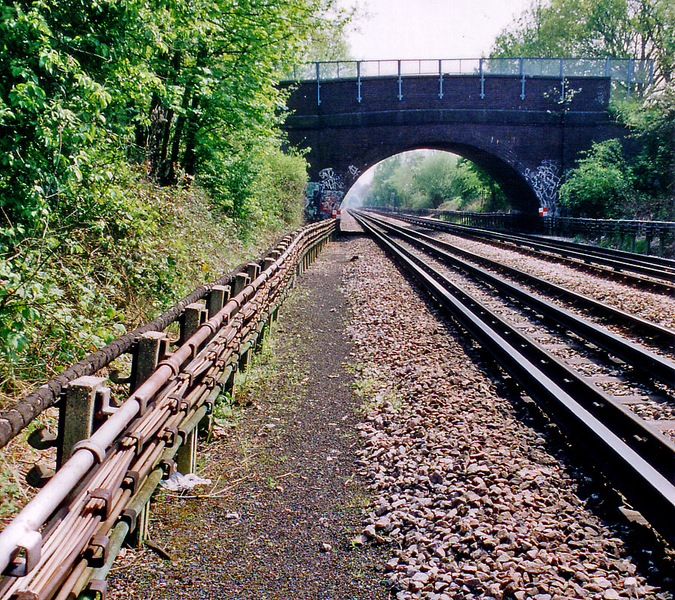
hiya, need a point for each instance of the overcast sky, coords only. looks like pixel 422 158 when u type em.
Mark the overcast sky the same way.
pixel 430 28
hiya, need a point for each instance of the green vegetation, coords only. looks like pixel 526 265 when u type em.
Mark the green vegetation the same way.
pixel 641 29
pixel 139 157
pixel 599 187
pixel 635 179
pixel 433 179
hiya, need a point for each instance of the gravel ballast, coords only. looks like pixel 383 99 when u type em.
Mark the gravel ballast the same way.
pixel 473 500
pixel 443 485
pixel 652 306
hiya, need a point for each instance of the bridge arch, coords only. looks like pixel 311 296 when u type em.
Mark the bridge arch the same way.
pixel 504 169
pixel 521 130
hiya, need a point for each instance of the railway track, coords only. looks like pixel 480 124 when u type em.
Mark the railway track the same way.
pixel 642 329
pixel 650 272
pixel 593 383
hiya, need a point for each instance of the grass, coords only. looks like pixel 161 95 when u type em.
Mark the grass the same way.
pixel 266 376
pixel 373 391
pixel 15 461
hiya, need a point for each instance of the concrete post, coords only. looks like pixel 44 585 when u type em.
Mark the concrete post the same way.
pixel 194 316
pixel 217 298
pixel 186 457
pixel 253 270
pixel 229 387
pixel 140 533
pixel 240 282
pixel 152 347
pixel 76 417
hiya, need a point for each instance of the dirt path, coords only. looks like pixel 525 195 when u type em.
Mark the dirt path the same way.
pixel 287 502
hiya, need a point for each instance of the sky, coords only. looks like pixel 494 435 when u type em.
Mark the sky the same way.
pixel 428 29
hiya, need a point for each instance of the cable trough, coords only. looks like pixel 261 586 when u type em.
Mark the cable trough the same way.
pixel 63 543
pixel 638 459
pixel 651 272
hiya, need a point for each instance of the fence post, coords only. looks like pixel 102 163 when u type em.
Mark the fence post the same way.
pixel 152 346
pixel 253 270
pixel 195 314
pixel 217 298
pixel 84 396
pixel 186 457
pixel 240 282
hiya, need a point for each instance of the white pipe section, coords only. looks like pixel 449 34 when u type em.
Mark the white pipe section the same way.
pixel 20 533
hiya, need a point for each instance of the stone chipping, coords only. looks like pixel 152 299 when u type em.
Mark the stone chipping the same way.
pixel 652 306
pixel 475 502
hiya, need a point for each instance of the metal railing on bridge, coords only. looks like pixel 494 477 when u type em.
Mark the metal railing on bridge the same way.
pixel 625 71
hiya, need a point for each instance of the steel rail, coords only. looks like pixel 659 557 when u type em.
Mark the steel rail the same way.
pixel 659 279
pixel 640 358
pixel 625 422
pixel 87 494
pixel 652 364
pixel 654 266
pixel 648 260
pixel 649 490
pixel 657 332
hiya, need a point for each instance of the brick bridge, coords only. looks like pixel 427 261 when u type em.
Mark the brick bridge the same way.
pixel 523 125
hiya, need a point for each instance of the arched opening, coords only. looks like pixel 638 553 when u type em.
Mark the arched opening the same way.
pixel 432 178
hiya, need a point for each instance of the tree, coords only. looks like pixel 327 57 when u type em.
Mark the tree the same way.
pixel 473 187
pixel 433 179
pixel 176 86
pixel 640 29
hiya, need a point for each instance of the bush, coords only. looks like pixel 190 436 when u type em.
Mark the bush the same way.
pixel 600 186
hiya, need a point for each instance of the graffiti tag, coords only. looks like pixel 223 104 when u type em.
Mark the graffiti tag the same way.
pixel 330 180
pixel 545 181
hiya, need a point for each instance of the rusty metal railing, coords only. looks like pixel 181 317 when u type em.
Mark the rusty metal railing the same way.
pixel 62 544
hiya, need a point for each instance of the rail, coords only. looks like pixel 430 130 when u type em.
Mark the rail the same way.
pixel 656 273
pixel 627 71
pixel 613 438
pixel 620 233
pixel 62 544
pixel 659 335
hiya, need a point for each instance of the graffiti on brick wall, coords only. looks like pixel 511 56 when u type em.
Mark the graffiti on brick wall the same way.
pixel 324 197
pixel 545 181
pixel 330 180
pixel 312 198
pixel 332 192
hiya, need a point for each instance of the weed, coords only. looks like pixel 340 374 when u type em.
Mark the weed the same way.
pixel 10 501
pixel 359 500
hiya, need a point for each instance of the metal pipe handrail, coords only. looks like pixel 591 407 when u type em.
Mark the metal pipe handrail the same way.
pixel 136 432
pixel 628 71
